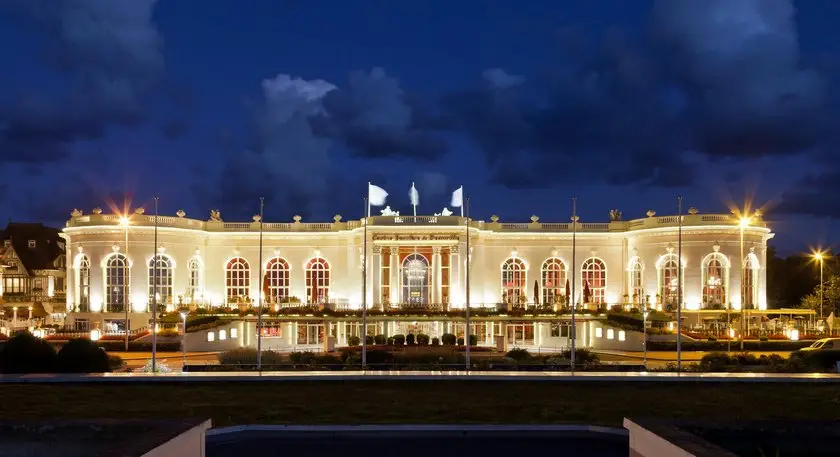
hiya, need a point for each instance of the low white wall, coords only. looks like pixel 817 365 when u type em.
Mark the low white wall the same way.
pixel 235 335
pixel 609 338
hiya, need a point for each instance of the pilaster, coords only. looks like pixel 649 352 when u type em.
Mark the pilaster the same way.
pixel 437 283
pixel 395 275
pixel 456 284
pixel 376 277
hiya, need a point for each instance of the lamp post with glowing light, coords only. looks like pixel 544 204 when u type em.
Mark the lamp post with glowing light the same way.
pixel 184 315
pixel 126 272
pixel 819 256
pixel 743 223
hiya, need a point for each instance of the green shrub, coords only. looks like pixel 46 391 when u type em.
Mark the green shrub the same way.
pixel 518 355
pixel 369 340
pixel 23 353
pixel 82 356
pixel 715 361
pixel 816 361
pixel 248 356
pixel 399 340
pixel 409 339
pixel 448 339
pixel 473 340
pixel 379 357
pixel 354 341
pixel 435 341
pixel 379 339
pixel 423 339
pixel 390 341
pixel 115 362
pixel 460 341
pixel 583 356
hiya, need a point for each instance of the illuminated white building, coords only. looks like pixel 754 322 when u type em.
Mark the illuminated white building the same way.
pixel 414 264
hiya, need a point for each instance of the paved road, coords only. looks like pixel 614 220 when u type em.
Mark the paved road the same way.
pixel 266 444
pixel 659 359
pixel 134 360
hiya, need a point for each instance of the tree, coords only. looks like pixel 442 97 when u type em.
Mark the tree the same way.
pixel 831 296
pixel 24 353
pixel 82 356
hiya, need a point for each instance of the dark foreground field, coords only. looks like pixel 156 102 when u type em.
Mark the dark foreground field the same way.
pixel 437 402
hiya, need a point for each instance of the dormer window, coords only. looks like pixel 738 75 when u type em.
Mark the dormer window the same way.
pixel 31 244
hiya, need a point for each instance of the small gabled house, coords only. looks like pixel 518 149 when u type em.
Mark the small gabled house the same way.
pixel 32 267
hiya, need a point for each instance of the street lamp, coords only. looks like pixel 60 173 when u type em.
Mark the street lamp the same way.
pixel 184 315
pixel 124 221
pixel 819 256
pixel 743 223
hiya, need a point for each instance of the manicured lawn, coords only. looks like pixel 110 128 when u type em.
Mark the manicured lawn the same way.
pixel 439 402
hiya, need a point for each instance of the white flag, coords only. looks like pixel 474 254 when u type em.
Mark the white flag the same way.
pixel 458 197
pixel 414 195
pixel 376 195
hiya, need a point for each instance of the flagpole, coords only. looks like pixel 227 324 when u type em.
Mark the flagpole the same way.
pixel 154 297
pixel 574 270
pixel 364 285
pixel 467 306
pixel 260 292
pixel 679 285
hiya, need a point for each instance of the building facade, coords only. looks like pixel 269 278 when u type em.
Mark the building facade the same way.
pixel 414 263
pixel 32 272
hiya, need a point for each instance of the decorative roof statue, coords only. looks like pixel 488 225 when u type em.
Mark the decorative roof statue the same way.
pixel 389 212
pixel 76 212
pixel 215 216
pixel 444 212
pixel 615 215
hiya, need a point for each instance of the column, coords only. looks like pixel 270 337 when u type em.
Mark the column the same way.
pixel 456 290
pixel 437 283
pixel 395 275
pixel 376 275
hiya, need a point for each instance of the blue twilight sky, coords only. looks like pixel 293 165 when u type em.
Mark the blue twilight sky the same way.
pixel 623 103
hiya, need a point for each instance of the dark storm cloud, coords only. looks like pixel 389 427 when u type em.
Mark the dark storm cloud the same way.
pixel 813 195
pixel 110 54
pixel 373 117
pixel 718 78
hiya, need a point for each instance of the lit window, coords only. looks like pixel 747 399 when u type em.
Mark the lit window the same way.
pixel 238 278
pixel 636 282
pixel 117 280
pixel 599 332
pixel 222 335
pixel 621 335
pixel 715 279
pixel 610 334
pixel 669 279
pixel 594 275
pixel 211 336
pixel 277 280
pixel 234 332
pixel 554 282
pixel 317 280
pixel 160 267
pixel 31 244
pixel 513 282
pixel 194 284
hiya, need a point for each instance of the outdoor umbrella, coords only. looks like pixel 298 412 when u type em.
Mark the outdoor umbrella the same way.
pixel 568 294
pixel 586 292
pixel 536 292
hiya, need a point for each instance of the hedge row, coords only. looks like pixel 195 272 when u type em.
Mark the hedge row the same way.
pixel 710 346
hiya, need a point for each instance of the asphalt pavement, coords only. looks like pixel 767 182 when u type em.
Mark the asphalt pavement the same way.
pixel 419 444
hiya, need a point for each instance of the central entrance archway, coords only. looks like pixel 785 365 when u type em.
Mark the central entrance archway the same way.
pixel 415 279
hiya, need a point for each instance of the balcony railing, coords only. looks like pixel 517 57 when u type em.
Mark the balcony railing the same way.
pixel 494 225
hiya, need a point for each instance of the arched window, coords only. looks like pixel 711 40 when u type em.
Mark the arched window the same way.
pixel 594 276
pixel 637 289
pixel 160 267
pixel 318 280
pixel 416 279
pixel 748 280
pixel 669 280
pixel 276 280
pixel 83 278
pixel 715 280
pixel 117 283
pixel 513 282
pixel 553 282
pixel 194 280
pixel 238 280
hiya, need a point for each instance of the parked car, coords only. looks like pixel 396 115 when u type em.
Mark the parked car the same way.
pixel 823 344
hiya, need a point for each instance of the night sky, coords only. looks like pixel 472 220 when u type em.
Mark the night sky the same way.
pixel 623 103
